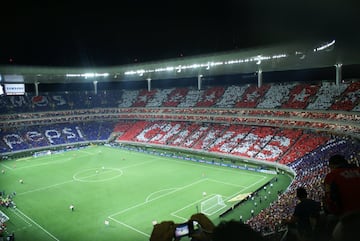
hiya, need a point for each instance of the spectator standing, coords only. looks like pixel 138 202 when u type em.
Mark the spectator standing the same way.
pixel 226 231
pixel 234 231
pixel 305 217
pixel 347 229
pixel 342 187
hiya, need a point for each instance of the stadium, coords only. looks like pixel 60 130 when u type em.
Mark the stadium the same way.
pixel 105 153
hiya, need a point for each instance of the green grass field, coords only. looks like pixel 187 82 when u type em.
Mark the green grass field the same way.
pixel 129 189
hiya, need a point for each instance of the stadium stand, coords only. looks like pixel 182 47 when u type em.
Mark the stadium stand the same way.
pixel 294 124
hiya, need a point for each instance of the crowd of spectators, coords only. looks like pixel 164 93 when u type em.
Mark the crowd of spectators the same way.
pixel 310 170
pixel 298 96
pixel 6 200
pixel 30 121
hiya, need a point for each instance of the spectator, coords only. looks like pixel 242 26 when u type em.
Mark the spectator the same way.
pixel 342 187
pixel 234 231
pixel 305 216
pixel 347 229
pixel 225 231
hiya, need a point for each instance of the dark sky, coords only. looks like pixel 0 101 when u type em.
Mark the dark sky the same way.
pixel 102 33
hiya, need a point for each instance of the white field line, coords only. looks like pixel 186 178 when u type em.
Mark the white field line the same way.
pixel 143 203
pixel 130 227
pixel 6 166
pixel 36 224
pixel 185 207
pixel 148 198
pixel 88 153
pixel 51 157
pixel 46 163
pixel 61 183
pixel 226 183
pixel 23 159
pixel 158 197
pixel 20 216
pixel 227 198
pixel 175 190
pixel 227 169
pixel 135 206
pixel 138 164
pixel 237 193
pixel 100 173
pixel 44 188
pixel 40 158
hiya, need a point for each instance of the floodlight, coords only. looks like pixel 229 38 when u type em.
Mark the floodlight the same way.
pixel 325 46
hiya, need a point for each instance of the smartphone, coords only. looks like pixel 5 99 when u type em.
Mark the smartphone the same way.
pixel 186 229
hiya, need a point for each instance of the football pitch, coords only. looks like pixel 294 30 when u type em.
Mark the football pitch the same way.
pixel 130 190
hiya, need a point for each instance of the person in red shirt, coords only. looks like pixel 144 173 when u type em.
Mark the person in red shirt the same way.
pixel 342 187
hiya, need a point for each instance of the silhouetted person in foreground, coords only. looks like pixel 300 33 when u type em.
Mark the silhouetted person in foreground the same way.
pixel 305 218
pixel 225 231
pixel 235 231
pixel 348 227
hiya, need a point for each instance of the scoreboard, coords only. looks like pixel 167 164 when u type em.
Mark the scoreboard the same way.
pixel 13 84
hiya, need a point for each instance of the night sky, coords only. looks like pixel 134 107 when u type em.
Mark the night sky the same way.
pixel 101 33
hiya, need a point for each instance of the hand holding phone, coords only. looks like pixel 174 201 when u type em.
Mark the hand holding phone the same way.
pixel 185 229
pixel 163 231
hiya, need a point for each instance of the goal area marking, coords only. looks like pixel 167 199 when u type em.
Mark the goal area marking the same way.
pixel 212 205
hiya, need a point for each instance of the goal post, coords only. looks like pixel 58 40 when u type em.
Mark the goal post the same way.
pixel 212 205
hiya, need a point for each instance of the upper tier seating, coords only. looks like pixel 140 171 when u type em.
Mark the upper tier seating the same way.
pixel 326 96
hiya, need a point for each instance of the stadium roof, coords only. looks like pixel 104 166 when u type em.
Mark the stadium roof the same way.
pixel 270 58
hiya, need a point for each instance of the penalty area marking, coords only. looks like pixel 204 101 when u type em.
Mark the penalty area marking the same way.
pixel 97 173
pixel 149 198
pixel 130 227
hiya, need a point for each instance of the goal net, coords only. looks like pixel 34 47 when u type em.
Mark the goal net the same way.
pixel 212 205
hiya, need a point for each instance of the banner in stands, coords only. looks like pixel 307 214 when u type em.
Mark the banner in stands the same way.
pixel 52 136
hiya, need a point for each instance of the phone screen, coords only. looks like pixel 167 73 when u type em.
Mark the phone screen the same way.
pixel 182 230
pixel 186 229
pixel 195 226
